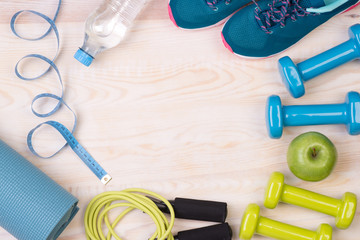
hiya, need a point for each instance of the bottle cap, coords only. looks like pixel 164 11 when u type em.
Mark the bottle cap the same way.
pixel 83 57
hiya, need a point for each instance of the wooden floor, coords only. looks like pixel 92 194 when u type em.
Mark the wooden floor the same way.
pixel 171 111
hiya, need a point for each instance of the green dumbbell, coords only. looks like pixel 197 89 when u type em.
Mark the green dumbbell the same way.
pixel 342 209
pixel 253 223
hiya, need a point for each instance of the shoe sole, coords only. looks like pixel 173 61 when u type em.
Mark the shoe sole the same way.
pixel 259 58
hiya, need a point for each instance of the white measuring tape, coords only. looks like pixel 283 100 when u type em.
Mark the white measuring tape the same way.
pixel 67 134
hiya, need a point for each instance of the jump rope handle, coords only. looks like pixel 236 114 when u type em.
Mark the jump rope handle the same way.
pixel 196 209
pixel 216 232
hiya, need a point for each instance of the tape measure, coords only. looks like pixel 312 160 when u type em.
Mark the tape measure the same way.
pixel 77 148
pixel 66 133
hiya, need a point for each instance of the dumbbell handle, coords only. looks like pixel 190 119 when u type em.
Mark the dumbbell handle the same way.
pixel 329 59
pixel 307 199
pixel 315 114
pixel 278 230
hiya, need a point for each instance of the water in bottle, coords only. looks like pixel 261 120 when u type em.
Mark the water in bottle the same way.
pixel 107 26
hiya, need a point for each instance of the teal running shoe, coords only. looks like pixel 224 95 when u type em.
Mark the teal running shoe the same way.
pixel 192 14
pixel 269 27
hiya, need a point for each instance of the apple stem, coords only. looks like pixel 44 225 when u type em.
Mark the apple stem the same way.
pixel 314 154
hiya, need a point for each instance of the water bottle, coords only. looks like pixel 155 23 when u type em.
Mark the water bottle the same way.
pixel 107 26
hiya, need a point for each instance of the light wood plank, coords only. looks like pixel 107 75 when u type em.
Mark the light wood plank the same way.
pixel 174 112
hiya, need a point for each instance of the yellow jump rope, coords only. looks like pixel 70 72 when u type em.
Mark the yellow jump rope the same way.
pixel 97 213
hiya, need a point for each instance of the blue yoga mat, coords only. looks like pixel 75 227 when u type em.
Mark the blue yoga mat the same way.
pixel 32 206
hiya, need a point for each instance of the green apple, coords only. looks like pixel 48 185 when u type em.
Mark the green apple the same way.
pixel 311 156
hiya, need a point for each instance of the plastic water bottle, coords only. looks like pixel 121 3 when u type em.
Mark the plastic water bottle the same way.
pixel 107 26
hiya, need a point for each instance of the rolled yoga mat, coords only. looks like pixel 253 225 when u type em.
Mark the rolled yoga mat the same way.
pixel 32 206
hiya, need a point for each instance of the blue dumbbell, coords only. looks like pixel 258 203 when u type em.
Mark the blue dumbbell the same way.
pixel 294 75
pixel 279 116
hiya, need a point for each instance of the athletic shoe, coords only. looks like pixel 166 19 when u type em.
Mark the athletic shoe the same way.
pixel 192 14
pixel 271 26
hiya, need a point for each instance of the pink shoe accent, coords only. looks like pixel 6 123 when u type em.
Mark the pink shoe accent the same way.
pixel 352 7
pixel 225 43
pixel 171 15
